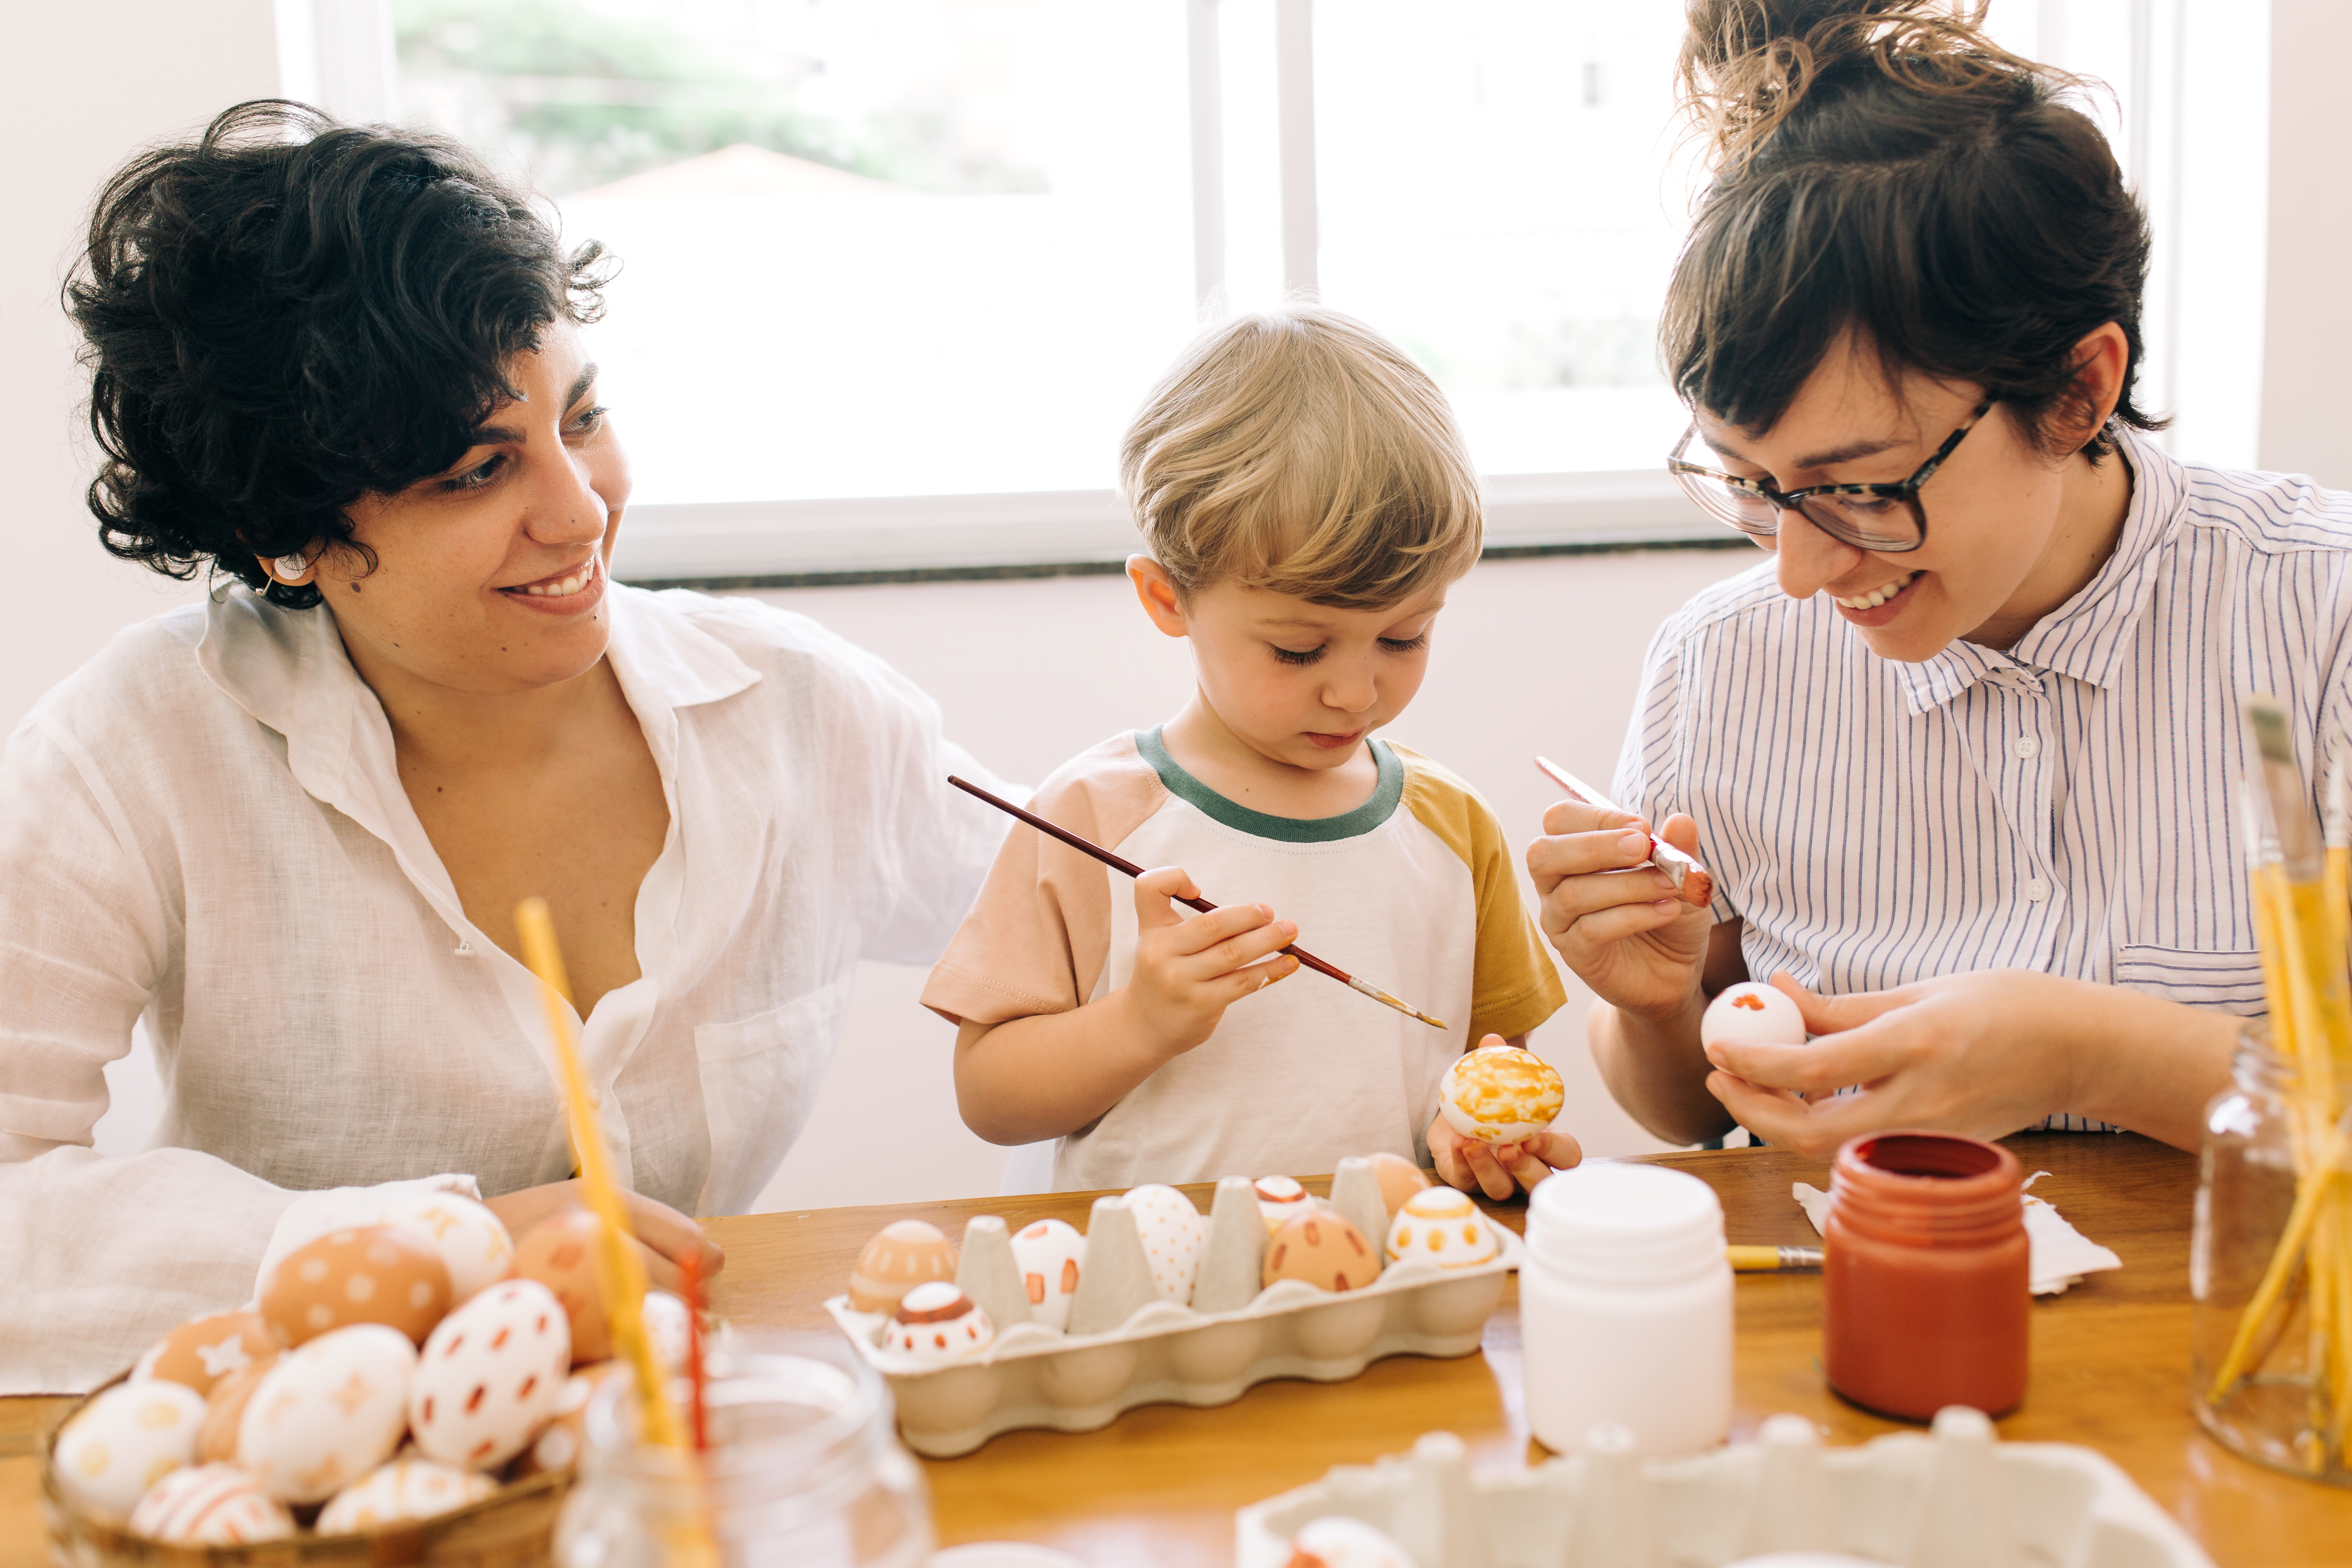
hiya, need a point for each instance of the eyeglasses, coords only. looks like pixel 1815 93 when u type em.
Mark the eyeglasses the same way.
pixel 1887 517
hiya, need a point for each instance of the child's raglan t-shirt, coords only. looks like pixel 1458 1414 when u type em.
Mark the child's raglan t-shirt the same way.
pixel 1415 891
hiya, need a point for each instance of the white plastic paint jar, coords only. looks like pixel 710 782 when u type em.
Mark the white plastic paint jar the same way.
pixel 1625 1309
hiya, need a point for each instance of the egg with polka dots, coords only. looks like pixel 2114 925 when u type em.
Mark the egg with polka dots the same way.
pixel 372 1274
pixel 1173 1235
pixel 937 1323
pixel 1442 1227
pixel 490 1375
pixel 124 1441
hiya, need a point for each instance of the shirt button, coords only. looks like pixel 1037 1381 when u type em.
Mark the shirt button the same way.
pixel 2037 890
pixel 2025 745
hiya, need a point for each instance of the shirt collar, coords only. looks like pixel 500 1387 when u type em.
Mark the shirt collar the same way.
pixel 2089 636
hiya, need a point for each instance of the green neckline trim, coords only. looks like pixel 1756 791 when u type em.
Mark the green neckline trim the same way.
pixel 1386 794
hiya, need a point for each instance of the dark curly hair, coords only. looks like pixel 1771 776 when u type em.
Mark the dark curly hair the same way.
pixel 293 313
pixel 1883 166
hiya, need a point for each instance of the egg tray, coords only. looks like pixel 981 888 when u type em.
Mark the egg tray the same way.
pixel 1165 1352
pixel 514 1527
pixel 1957 1498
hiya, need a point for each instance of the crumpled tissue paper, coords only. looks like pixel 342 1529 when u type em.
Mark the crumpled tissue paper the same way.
pixel 2062 1254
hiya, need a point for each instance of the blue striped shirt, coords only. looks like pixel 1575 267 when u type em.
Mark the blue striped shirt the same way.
pixel 2071 805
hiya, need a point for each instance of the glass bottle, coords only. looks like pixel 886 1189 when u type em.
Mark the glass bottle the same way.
pixel 804 1470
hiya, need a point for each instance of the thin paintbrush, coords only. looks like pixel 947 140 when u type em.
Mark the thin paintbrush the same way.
pixel 1691 881
pixel 1132 869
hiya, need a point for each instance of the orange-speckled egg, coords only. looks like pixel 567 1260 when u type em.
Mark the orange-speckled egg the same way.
pixel 1442 1227
pixel 561 1254
pixel 203 1351
pixel 374 1274
pixel 1323 1249
pixel 907 1253
pixel 1400 1179
pixel 1501 1094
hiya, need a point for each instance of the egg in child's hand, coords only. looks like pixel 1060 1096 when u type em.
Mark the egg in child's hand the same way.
pixel 1751 1014
pixel 1281 1200
pixel 1501 1094
pixel 210 1505
pixel 904 1254
pixel 328 1412
pixel 124 1441
pixel 203 1351
pixel 372 1274
pixel 1173 1234
pixel 1442 1227
pixel 1324 1250
pixel 1400 1178
pixel 1335 1540
pixel 1050 1256
pixel 937 1322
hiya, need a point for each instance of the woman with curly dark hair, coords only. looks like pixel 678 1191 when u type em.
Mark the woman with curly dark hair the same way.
pixel 341 368
pixel 1966 756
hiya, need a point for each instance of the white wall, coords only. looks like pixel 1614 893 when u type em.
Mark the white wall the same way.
pixel 2307 395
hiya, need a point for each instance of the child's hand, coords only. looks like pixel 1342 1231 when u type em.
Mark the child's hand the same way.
pixel 1500 1169
pixel 1188 971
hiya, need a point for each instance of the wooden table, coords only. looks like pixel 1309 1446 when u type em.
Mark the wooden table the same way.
pixel 1160 1485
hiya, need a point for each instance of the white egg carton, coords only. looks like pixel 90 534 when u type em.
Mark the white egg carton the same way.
pixel 1958 1499
pixel 1157 1352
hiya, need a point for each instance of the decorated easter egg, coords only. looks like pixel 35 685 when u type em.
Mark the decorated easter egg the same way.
pixel 1323 1249
pixel 561 1254
pixel 124 1441
pixel 372 1274
pixel 1442 1227
pixel 225 1411
pixel 1501 1094
pixel 402 1490
pixel 1335 1540
pixel 1281 1200
pixel 471 1242
pixel 1400 1178
pixel 560 1443
pixel 329 1410
pixel 1049 1255
pixel 1751 1014
pixel 210 1505
pixel 904 1254
pixel 937 1322
pixel 1173 1235
pixel 490 1377
pixel 203 1351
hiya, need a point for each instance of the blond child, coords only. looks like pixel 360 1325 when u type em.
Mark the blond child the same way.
pixel 1306 502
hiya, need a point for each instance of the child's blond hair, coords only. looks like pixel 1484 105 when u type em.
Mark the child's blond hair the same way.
pixel 1301 452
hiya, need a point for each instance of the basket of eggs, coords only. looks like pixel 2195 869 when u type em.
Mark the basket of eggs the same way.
pixel 409 1389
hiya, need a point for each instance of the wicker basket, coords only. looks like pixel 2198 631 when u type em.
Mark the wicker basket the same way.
pixel 512 1527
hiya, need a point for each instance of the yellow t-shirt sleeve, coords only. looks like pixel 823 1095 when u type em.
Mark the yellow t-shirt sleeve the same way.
pixel 1515 985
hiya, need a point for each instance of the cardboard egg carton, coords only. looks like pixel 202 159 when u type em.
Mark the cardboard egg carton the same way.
pixel 1126 1346
pixel 1957 1499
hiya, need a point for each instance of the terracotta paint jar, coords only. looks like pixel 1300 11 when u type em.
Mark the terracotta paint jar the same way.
pixel 1923 1275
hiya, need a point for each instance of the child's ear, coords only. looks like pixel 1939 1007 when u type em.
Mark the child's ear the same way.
pixel 1157 593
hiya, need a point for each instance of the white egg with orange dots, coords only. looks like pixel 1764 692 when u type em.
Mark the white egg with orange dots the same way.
pixel 1442 1227
pixel 1501 1094
pixel 490 1374
pixel 937 1322
pixel 1749 1013
pixel 1173 1232
pixel 124 1441
pixel 1050 1255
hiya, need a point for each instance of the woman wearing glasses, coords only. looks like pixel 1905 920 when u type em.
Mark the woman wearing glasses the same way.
pixel 1965 756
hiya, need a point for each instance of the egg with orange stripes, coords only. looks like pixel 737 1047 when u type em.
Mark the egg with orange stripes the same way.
pixel 1442 1227
pixel 1501 1094
pixel 937 1323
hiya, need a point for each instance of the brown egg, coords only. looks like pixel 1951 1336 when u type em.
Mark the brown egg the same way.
pixel 1323 1249
pixel 907 1253
pixel 1400 1179
pixel 203 1351
pixel 561 1254
pixel 216 1438
pixel 371 1275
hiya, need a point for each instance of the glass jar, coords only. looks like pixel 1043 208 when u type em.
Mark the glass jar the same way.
pixel 804 1470
pixel 2268 1405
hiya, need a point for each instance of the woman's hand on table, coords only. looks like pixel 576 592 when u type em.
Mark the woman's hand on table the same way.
pixel 1498 1170
pixel 1619 924
pixel 664 1236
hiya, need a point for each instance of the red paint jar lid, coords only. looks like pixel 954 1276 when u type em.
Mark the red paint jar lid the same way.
pixel 1927 1189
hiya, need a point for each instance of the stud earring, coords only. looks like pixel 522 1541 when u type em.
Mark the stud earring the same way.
pixel 290 568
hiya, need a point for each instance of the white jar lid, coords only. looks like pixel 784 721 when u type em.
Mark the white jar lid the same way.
pixel 1611 1222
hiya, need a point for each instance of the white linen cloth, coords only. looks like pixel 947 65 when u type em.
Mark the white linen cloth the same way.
pixel 2059 1255
pixel 206 826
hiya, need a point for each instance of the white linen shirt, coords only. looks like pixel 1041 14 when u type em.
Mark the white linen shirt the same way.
pixel 205 827
pixel 2072 805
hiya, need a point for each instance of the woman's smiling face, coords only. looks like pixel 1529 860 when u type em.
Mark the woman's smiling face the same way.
pixel 490 578
pixel 2005 541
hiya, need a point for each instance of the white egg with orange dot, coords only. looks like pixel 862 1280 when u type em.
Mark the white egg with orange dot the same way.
pixel 1751 1014
pixel 1501 1094
pixel 124 1441
pixel 937 1322
pixel 1050 1255
pixel 1173 1232
pixel 1442 1227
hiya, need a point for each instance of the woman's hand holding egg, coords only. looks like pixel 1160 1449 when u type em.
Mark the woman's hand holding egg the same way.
pixel 1499 1168
pixel 1618 922
pixel 663 1234
pixel 1189 970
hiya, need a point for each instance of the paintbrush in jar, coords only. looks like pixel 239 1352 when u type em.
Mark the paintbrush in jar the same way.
pixel 1118 864
pixel 1693 884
